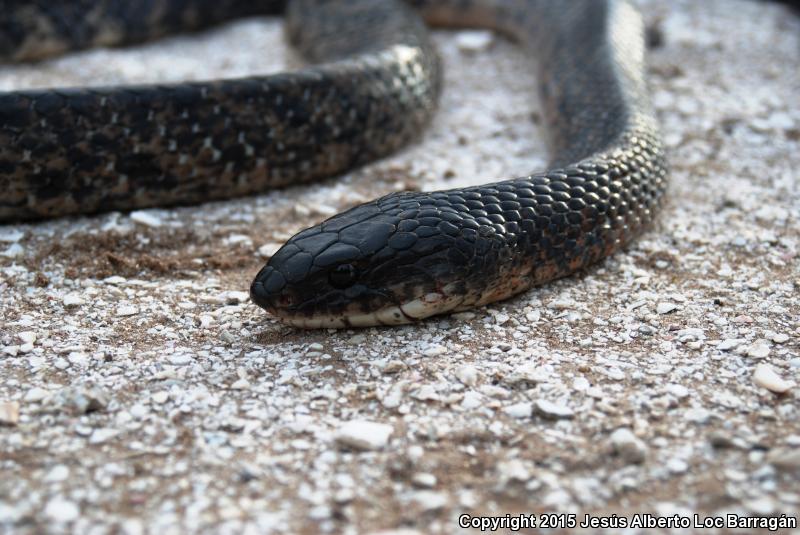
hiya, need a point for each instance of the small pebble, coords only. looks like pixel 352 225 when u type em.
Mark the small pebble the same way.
pixel 785 459
pixel 268 250
pixel 548 409
pixel 728 344
pixel 429 500
pixel 72 300
pixel 86 399
pixel 57 474
pixel 15 250
pixel 677 466
pixel 424 479
pixel 35 395
pixel 665 307
pixel 363 435
pixel 160 397
pixel 393 366
pixel 472 41
pixel 521 411
pixel 27 337
pixel 10 235
pixel 628 446
pixel 127 310
pixel 765 377
pixel 9 413
pixel 780 338
pixel 61 510
pixel 146 218
pixel 434 351
pixel 101 435
pixel 467 374
pixel 697 415
pixel 758 350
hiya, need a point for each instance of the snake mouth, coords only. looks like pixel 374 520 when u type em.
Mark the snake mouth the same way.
pixel 271 292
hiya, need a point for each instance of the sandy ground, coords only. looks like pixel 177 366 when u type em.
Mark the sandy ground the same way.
pixel 141 392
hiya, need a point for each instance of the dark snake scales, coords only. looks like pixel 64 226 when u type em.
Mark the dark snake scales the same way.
pixel 397 259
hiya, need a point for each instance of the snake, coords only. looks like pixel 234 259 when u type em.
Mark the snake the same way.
pixel 372 86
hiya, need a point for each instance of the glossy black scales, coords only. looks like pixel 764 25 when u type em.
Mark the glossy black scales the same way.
pixel 83 150
pixel 394 260
pixel 412 255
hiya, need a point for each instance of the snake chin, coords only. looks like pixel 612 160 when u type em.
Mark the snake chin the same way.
pixel 417 309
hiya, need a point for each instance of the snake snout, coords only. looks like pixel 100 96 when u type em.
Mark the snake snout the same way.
pixel 267 288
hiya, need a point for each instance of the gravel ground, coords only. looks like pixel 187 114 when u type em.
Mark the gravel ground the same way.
pixel 142 392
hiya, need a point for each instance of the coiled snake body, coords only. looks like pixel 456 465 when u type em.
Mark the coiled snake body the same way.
pixel 397 259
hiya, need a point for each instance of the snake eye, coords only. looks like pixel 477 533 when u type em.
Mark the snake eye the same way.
pixel 342 276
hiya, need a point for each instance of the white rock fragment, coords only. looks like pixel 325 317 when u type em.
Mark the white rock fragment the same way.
pixel 424 480
pixel 9 413
pixel 467 374
pixel 531 373
pixel 78 358
pixel 13 251
pixel 235 239
pixel 146 218
pixel 85 399
pixel 426 393
pixel 240 384
pixel 180 359
pixel 780 338
pixel 758 349
pixel 324 210
pixel 761 506
pixel 501 318
pixel 27 337
pixel 677 466
pixel 665 307
pixel 363 435
pixel 729 343
pixel 429 500
pixel 36 394
pixel 691 334
pixel 72 300
pixel 785 458
pixel 268 250
pixel 393 398
pixel 513 470
pixel 472 41
pixel 697 415
pixel 58 473
pixel 393 366
pixel 61 510
pixel 160 397
pixel 11 235
pixel 471 400
pixel 628 446
pixel 101 435
pixel 519 411
pixel 234 297
pixel 139 411
pixel 548 409
pixel 127 310
pixel 765 377
pixel 434 350
pixel 677 390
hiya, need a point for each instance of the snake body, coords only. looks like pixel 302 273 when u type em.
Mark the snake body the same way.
pixel 399 258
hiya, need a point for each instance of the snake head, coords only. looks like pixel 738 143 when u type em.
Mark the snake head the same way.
pixel 396 260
